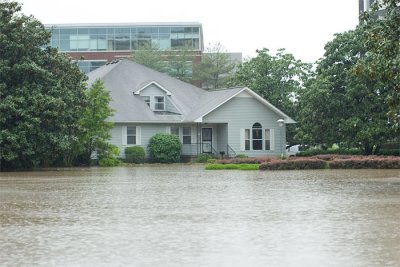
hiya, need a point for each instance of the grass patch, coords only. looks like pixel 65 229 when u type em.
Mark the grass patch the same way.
pixel 244 167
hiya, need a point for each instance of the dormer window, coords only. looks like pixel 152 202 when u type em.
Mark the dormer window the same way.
pixel 159 103
pixel 146 100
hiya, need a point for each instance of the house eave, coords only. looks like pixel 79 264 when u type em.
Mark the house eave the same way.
pixel 137 92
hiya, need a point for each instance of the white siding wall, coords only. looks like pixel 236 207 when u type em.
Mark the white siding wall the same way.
pixel 241 113
pixel 146 132
pixel 153 91
pixel 222 135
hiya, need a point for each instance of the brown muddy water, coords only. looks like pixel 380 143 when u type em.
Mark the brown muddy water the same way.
pixel 182 215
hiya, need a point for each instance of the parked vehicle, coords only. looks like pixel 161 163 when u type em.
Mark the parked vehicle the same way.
pixel 292 150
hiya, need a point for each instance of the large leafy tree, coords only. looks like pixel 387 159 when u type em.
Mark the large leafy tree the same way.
pixel 382 62
pixel 94 120
pixel 180 63
pixel 339 106
pixel 150 56
pixel 278 78
pixel 177 63
pixel 41 93
pixel 215 67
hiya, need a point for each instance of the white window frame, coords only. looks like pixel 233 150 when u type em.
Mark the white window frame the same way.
pixel 181 135
pixel 178 128
pixel 261 138
pixel 247 139
pixel 246 135
pixel 155 102
pixel 132 128
pixel 125 135
pixel 186 135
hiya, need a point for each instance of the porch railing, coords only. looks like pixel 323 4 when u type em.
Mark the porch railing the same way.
pixel 230 153
pixel 194 149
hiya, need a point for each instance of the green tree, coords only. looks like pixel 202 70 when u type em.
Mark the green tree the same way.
pixel 382 62
pixel 215 67
pixel 96 128
pixel 278 78
pixel 176 63
pixel 41 93
pixel 151 56
pixel 341 107
pixel 180 63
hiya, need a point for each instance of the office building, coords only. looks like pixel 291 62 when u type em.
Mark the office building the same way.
pixel 93 45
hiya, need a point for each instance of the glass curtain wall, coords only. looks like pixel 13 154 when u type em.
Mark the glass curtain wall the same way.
pixel 124 38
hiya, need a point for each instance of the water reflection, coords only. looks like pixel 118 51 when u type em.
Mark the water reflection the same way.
pixel 183 216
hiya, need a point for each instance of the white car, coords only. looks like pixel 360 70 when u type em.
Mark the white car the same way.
pixel 292 150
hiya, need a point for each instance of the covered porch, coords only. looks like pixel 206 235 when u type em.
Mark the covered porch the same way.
pixel 209 138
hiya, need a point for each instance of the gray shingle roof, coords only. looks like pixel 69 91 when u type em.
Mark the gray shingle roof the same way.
pixel 125 77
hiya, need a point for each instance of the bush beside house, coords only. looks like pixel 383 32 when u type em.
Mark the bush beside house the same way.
pixel 165 148
pixel 134 154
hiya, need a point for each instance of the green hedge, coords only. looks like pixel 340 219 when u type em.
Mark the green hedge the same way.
pixel 165 148
pixel 298 164
pixel 243 167
pixel 314 152
pixel 247 160
pixel 134 154
pixel 366 163
pixel 353 151
pixel 203 158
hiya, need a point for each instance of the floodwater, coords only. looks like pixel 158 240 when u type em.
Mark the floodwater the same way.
pixel 181 215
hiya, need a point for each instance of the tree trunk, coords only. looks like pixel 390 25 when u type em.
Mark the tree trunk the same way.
pixel 368 149
pixel 377 149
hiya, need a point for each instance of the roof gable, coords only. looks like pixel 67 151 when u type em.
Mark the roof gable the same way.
pixel 146 85
pixel 245 92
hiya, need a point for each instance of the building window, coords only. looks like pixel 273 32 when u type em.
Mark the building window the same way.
pixel 267 137
pixel 175 130
pixel 159 103
pixel 186 135
pixel 247 139
pixel 257 136
pixel 131 135
pixel 146 100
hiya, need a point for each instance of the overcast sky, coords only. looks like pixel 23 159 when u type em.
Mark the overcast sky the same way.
pixel 301 27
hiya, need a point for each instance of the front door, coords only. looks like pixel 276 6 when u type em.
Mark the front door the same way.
pixel 206 140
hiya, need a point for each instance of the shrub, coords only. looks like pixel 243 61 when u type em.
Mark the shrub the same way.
pixel 244 167
pixel 298 164
pixel 255 160
pixel 241 156
pixel 366 163
pixel 215 167
pixel 203 158
pixel 109 162
pixel 134 154
pixel 249 167
pixel 165 148
pixel 389 152
pixel 108 155
pixel 212 161
pixel 340 151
